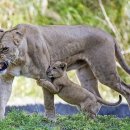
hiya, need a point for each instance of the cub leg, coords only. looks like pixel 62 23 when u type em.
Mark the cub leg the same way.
pixel 5 92
pixel 89 82
pixel 88 106
pixel 48 85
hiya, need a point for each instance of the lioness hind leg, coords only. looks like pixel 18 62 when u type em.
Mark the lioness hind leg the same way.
pixel 105 70
pixel 114 83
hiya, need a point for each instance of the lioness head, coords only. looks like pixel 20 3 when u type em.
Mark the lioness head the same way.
pixel 57 69
pixel 9 44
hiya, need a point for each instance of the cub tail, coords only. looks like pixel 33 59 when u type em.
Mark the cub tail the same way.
pixel 100 100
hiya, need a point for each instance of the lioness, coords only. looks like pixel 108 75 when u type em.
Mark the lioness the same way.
pixel 71 92
pixel 28 50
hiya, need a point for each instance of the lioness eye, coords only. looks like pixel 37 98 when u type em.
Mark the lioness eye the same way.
pixel 54 68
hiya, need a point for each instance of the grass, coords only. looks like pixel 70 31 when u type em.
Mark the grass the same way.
pixel 17 120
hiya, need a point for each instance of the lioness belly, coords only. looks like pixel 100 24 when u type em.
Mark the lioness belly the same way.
pixel 75 61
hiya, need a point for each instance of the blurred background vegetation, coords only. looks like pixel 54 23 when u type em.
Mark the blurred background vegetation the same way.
pixel 112 16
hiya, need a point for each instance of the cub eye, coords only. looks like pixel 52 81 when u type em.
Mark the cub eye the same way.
pixel 4 49
pixel 54 68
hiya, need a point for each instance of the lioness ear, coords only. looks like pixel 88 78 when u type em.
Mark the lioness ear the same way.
pixel 18 36
pixel 20 31
pixel 1 32
pixel 63 66
pixel 21 34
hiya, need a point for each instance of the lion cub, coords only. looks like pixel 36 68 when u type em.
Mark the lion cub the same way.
pixel 71 92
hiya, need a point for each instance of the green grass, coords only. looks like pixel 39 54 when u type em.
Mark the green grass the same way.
pixel 17 120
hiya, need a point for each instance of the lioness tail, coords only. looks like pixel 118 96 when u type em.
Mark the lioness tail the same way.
pixel 120 58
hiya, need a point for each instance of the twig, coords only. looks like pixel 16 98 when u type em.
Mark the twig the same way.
pixel 111 26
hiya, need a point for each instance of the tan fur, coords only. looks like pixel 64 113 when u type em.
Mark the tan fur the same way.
pixel 89 50
pixel 71 92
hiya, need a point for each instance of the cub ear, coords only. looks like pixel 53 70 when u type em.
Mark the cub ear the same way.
pixel 63 66
pixel 18 36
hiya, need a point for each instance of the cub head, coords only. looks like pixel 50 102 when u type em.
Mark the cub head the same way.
pixel 57 70
pixel 9 43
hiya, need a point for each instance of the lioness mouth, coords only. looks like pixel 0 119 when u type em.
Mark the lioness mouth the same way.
pixel 3 65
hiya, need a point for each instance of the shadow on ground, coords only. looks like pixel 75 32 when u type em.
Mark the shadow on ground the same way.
pixel 120 111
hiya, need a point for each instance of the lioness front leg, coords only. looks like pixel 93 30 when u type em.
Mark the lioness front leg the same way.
pixel 48 101
pixel 49 104
pixel 48 85
pixel 5 92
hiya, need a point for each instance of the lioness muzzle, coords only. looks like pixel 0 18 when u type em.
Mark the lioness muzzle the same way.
pixel 3 65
